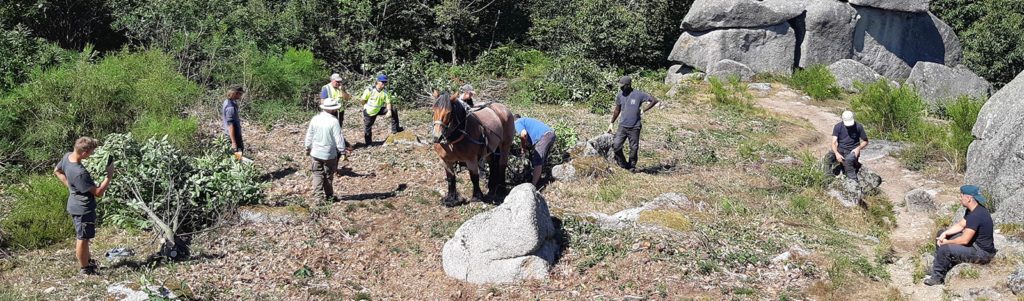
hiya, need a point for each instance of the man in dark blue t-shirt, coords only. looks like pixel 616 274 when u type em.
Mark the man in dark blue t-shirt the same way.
pixel 970 240
pixel 628 102
pixel 848 139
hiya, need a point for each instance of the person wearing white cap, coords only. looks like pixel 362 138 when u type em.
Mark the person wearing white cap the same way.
pixel 333 90
pixel 466 94
pixel 848 139
pixel 324 143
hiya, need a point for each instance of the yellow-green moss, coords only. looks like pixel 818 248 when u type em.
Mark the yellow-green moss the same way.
pixel 665 218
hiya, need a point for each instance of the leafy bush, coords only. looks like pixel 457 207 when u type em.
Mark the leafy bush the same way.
pixel 564 80
pixel 963 112
pixel 158 185
pixel 508 60
pixel 894 113
pixel 39 217
pixel 286 78
pixel 566 138
pixel 180 132
pixel 817 81
pixel 993 43
pixel 732 96
pixel 43 116
pixel 808 174
pixel 20 54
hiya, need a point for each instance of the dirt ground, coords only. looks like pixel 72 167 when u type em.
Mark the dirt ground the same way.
pixel 383 240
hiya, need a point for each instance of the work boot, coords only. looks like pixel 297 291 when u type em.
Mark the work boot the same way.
pixel 932 280
pixel 88 271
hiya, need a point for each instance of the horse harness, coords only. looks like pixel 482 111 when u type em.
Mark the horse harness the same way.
pixel 460 127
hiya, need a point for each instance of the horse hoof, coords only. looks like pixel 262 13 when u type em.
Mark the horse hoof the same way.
pixel 475 200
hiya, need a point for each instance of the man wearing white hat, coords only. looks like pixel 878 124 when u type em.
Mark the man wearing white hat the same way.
pixel 324 143
pixel 466 94
pixel 848 139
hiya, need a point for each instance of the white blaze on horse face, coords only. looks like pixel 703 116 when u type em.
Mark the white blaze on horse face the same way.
pixel 437 130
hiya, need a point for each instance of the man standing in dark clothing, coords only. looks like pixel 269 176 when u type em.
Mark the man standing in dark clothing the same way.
pixel 229 115
pixel 969 240
pixel 628 102
pixel 848 139
pixel 82 194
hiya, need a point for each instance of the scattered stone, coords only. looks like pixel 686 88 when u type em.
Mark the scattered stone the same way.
pixel 601 147
pixel 129 291
pixel 938 84
pixel 670 205
pixel 406 137
pixel 890 42
pixel 675 74
pixel 920 200
pixel 806 98
pixel 592 167
pixel 787 160
pixel 827 33
pixel 996 158
pixel 724 69
pixel 1015 281
pixel 768 49
pixel 564 172
pixel 782 257
pixel 849 192
pixel 715 14
pixel 878 149
pixel 672 92
pixel 261 214
pixel 861 236
pixel 512 242
pixel 983 293
pixel 914 6
pixel 760 86
pixel 847 72
pixel 49 290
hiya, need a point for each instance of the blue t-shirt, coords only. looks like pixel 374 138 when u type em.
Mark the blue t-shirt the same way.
pixel 533 127
pixel 630 107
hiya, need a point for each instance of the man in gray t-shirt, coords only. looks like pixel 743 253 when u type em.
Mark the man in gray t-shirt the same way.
pixel 82 194
pixel 627 103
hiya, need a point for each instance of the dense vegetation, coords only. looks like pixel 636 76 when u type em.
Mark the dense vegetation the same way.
pixel 991 35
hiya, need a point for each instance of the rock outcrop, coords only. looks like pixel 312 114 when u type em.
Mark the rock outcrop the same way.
pixel 768 49
pixel 707 15
pixel 512 242
pixel 847 72
pixel 920 200
pixel 850 193
pixel 938 84
pixel 774 36
pixel 1015 281
pixel 995 160
pixel 724 69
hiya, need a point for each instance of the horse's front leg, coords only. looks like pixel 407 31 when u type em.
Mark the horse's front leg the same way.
pixel 452 198
pixel 474 175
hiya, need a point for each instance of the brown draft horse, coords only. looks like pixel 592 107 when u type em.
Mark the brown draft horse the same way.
pixel 468 135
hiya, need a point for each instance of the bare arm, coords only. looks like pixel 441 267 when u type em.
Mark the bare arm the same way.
pixel 60 175
pixel 231 135
pixel 961 240
pixel 954 229
pixel 654 101
pixel 615 114
pixel 524 141
pixel 860 147
pixel 98 191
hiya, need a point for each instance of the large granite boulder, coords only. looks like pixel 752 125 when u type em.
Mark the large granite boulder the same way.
pixel 938 84
pixel 768 49
pixel 706 15
pixel 995 160
pixel 512 242
pixel 724 69
pixel 847 72
pixel 851 193
pixel 915 6
pixel 891 42
pixel 1015 281
pixel 827 32
pixel 679 73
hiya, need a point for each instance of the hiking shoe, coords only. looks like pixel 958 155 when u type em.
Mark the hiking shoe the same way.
pixel 88 271
pixel 932 280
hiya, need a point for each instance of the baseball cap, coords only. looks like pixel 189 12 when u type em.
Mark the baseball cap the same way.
pixel 382 78
pixel 625 80
pixel 467 89
pixel 336 77
pixel 848 118
pixel 973 191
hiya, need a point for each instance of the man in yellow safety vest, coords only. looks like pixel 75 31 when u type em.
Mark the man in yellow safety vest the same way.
pixel 377 100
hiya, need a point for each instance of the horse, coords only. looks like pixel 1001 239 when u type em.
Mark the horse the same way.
pixel 463 134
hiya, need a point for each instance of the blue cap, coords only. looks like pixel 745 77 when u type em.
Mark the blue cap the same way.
pixel 972 191
pixel 382 78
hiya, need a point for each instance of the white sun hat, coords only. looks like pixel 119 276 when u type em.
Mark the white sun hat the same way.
pixel 330 104
pixel 848 118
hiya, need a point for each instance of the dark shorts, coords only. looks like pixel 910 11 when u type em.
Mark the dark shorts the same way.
pixel 85 226
pixel 543 148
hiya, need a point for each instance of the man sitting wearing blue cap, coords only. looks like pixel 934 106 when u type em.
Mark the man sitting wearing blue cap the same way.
pixel 377 100
pixel 969 240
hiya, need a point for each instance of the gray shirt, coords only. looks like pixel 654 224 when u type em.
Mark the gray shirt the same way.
pixel 630 107
pixel 80 199
pixel 229 113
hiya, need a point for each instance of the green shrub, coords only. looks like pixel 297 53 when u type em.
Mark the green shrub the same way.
pixel 895 113
pixel 39 217
pixel 817 81
pixel 963 113
pixel 20 54
pixel 916 156
pixel 293 77
pixel 508 60
pixel 43 116
pixel 806 175
pixel 181 132
pixel 565 80
pixel 566 138
pixel 732 96
pixel 186 193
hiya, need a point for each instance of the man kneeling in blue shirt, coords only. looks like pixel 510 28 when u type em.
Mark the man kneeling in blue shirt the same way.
pixel 535 135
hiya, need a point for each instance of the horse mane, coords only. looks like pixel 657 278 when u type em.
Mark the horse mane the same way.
pixel 456 112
